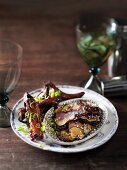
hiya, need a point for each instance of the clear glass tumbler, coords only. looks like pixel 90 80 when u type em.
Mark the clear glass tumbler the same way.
pixel 10 69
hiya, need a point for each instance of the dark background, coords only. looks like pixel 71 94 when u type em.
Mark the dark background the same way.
pixel 69 10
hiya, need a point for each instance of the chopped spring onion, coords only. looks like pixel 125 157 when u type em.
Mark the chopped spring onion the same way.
pixel 31 115
pixel 54 93
pixel 38 98
pixel 43 127
pixel 23 129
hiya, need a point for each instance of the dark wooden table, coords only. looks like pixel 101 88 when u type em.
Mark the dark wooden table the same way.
pixel 46 32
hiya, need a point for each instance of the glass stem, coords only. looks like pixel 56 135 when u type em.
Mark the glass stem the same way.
pixel 4 111
pixel 94 83
pixel 3 99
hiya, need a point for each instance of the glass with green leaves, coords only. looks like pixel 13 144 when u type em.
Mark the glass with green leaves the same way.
pixel 96 39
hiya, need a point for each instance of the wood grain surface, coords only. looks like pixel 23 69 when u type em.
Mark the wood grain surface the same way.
pixel 46 31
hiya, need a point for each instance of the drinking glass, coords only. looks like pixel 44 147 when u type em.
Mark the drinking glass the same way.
pixel 96 39
pixel 10 69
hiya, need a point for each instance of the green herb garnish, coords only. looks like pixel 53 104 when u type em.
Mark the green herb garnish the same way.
pixel 54 93
pixel 30 115
pixel 23 129
pixel 57 93
pixel 43 126
pixel 41 146
pixel 38 98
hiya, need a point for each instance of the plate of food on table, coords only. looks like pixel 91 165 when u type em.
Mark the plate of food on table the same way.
pixel 62 118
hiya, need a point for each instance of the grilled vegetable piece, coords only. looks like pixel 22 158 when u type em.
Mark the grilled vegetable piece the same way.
pixel 67 112
pixel 87 128
pixel 76 130
pixel 90 118
pixel 64 96
pixel 29 103
pixel 62 118
pixel 65 136
pixel 35 130
pixel 21 114
pixel 51 101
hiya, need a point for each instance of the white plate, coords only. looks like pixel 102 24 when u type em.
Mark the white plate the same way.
pixel 102 137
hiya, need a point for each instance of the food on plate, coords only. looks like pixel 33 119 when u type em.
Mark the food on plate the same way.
pixel 33 112
pixel 76 120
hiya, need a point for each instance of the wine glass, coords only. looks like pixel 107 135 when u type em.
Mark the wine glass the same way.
pixel 10 69
pixel 96 39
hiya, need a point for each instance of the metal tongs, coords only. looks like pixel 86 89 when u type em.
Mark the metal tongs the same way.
pixel 117 86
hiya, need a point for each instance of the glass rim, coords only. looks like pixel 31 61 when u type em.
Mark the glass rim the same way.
pixel 19 48
pixel 78 26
